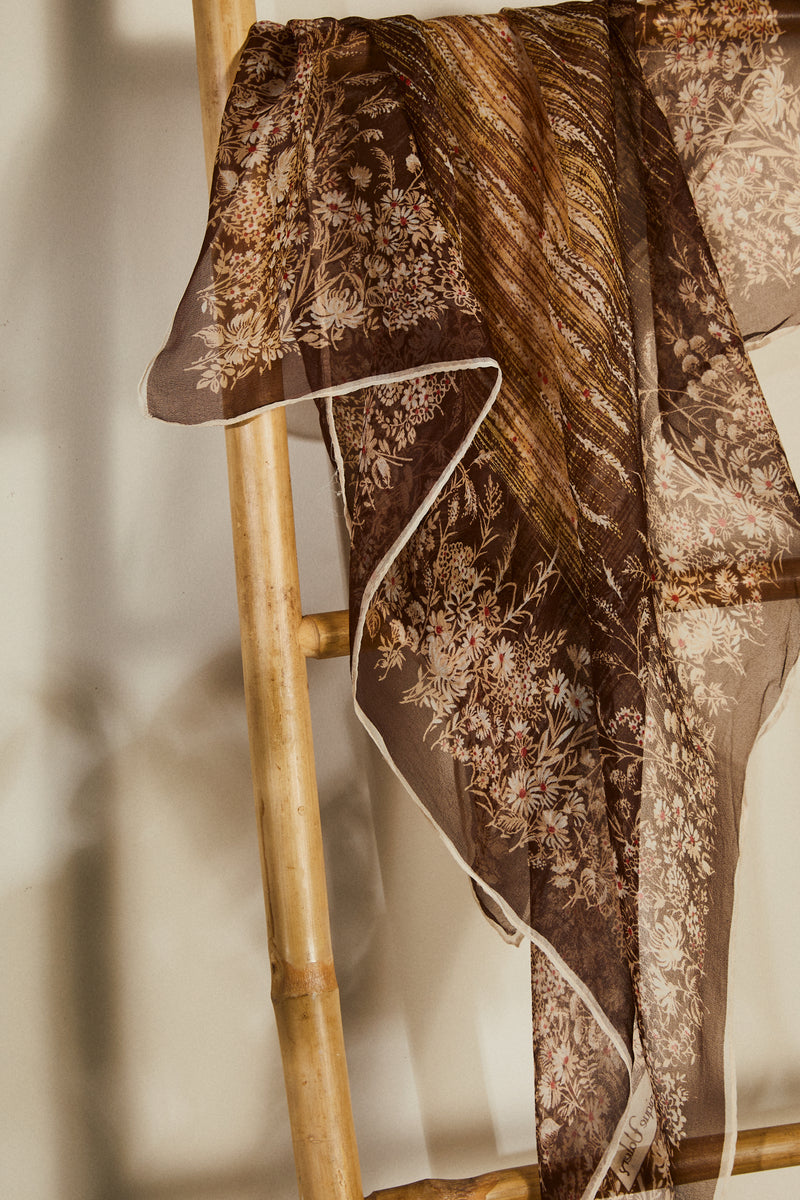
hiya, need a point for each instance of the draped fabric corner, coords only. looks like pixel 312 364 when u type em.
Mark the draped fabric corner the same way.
pixel 574 534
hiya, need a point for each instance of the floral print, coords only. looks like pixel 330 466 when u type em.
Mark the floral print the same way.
pixel 314 243
pixel 572 525
pixel 725 78
pixel 492 683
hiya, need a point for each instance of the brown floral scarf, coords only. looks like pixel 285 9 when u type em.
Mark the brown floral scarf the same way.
pixel 574 532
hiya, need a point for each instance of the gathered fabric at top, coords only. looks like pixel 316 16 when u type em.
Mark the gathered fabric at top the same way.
pixel 574 534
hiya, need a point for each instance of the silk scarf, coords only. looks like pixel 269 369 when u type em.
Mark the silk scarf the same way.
pixel 574 534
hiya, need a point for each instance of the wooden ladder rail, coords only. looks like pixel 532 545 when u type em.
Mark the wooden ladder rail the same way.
pixel 276 640
pixel 756 1150
pixel 304 990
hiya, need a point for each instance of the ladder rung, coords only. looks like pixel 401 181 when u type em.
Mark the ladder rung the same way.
pixel 756 1150
pixel 325 635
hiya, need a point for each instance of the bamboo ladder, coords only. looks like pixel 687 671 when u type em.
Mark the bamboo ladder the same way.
pixel 276 640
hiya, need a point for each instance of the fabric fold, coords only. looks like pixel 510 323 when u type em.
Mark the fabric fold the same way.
pixel 324 262
pixel 574 534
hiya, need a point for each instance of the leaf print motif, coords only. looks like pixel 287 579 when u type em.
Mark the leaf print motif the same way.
pixel 721 76
pixel 360 217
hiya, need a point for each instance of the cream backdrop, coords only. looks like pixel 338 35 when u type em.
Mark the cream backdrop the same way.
pixel 139 1057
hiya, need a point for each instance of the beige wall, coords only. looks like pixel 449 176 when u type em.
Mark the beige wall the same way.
pixel 139 1057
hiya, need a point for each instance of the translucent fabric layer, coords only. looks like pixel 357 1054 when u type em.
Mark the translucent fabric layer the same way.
pixel 574 534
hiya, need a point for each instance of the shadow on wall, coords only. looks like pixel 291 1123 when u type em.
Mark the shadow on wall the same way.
pixel 465 995
pixel 114 783
pixel 158 950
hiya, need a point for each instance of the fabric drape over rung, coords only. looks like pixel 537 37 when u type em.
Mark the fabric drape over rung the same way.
pixel 574 534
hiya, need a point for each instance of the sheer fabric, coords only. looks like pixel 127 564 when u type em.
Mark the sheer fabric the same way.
pixel 727 78
pixel 574 534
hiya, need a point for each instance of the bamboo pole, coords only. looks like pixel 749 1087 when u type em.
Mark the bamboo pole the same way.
pixel 515 1183
pixel 756 1150
pixel 764 1149
pixel 304 990
pixel 325 635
